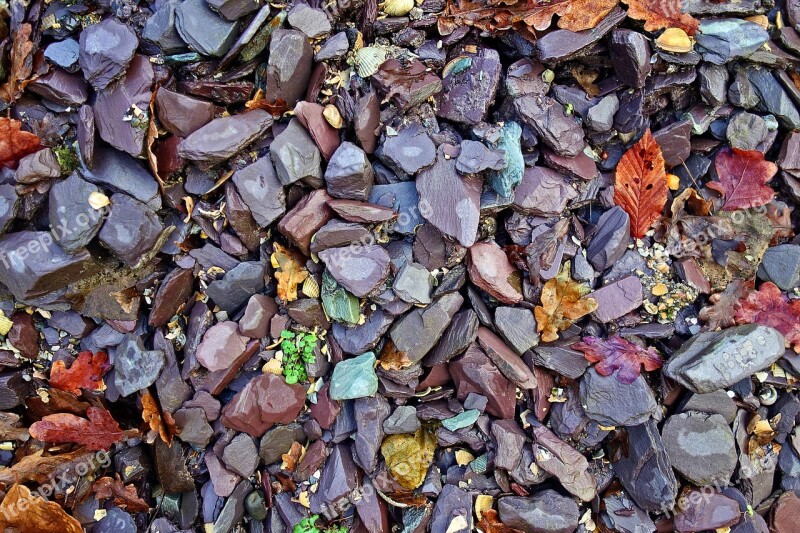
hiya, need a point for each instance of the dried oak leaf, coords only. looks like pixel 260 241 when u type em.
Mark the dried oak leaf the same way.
pixel 24 512
pixel 40 468
pixel 563 302
pixel 10 427
pixel 660 14
pixel 640 185
pixel 85 373
pixel 392 358
pixel 741 178
pixel 615 353
pixel 490 523
pixel 125 496
pixel 408 457
pixel 161 423
pixel 99 432
pixel 21 67
pixel 290 272
pixel 15 143
pixel 724 304
pixel 291 459
pixel 768 306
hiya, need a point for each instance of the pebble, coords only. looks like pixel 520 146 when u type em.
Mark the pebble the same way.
pixel 233 9
pixel 223 137
pixel 261 190
pixel 611 403
pixel 402 420
pixel 706 512
pixel 721 40
pixel 354 378
pixel 701 448
pixel 545 512
pixel 288 67
pixel 630 56
pixel 296 156
pixel 278 440
pixel 221 345
pixel 360 271
pixel 182 115
pixel 67 206
pixel 64 54
pixel 334 47
pixel 232 291
pixel 160 29
pixel 781 265
pixel 313 22
pixel 409 151
pixel 241 455
pixel 548 119
pixel 266 400
pixel 611 239
pixel 135 368
pixel 474 372
pixel 452 504
pixel 307 216
pixel 490 270
pixel 468 92
pixel 417 332
pixel 746 131
pixel 194 426
pixel 508 362
pixel 325 136
pixel 462 331
pixel 413 284
pixel 349 173
pixel 106 50
pixel 370 415
pixel 131 229
pixel 601 116
pixel 543 192
pixel 203 29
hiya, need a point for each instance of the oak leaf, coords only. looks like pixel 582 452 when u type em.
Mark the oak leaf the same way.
pixel 125 496
pixel 620 355
pixel 24 512
pixel 720 314
pixel 40 468
pixel 660 14
pixel 640 185
pixel 85 373
pixel 768 306
pixel 21 66
pixel 490 523
pixel 291 459
pixel 392 358
pixel 160 423
pixel 15 143
pixel 11 427
pixel 563 302
pixel 741 178
pixel 408 457
pixel 290 272
pixel 99 432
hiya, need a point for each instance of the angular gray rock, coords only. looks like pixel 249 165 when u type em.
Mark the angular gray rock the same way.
pixel 544 512
pixel 261 190
pixel 106 50
pixel 612 403
pixel 135 368
pixel 721 40
pixel 701 447
pixel 296 156
pixel 203 29
pixel 223 137
pixel 349 174
pixel 289 66
pixel 417 332
pixel 781 265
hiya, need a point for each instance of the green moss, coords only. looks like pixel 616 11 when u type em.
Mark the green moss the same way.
pixel 67 158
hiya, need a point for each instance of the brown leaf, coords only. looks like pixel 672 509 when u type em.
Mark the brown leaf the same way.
pixel 563 302
pixel 10 427
pixel 620 355
pixel 56 401
pixel 293 457
pixel 15 143
pixel 585 14
pixel 85 373
pixel 660 14
pixel 691 203
pixel 408 457
pixel 490 523
pixel 640 185
pixel 22 511
pixel 160 422
pixel 392 358
pixel 290 272
pixel 724 304
pixel 741 178
pixel 150 141
pixel 768 306
pixel 125 496
pixel 21 67
pixel 99 432
pixel 39 468
pixel 276 108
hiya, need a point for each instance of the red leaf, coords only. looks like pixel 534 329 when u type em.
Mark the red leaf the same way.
pixel 97 433
pixel 125 496
pixel 615 353
pixel 85 373
pixel 724 304
pixel 640 186
pixel 490 523
pixel 660 14
pixel 15 143
pixel 768 306
pixel 741 178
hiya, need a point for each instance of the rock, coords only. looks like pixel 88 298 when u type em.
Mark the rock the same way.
pixel 746 131
pixel 518 327
pixel 721 40
pixel 476 157
pixel 232 291
pixel 784 513
pixel 645 470
pixel 402 198
pixel 581 166
pixel 61 87
pixel 713 83
pixel 409 151
pixel 203 30
pixel 474 372
pixel 171 467
pixel 543 192
pixel 407 83
pixel 717 402
pixel 261 190
pixel 106 50
pixel 715 360
pixel 194 426
pixel 160 29
pixel 544 512
pixel 131 230
pixel 241 455
pixel 772 98
pixel 363 337
pixel 547 118
pixel 233 9
pixel 295 156
pixel 630 55
pixel 305 218
pixel 417 332
pixel 257 316
pixel 402 420
pixel 313 22
pixel 174 291
pixel 135 368
pixel 360 271
pixel 326 136
pixel 462 331
pixel 509 440
pixel 278 441
pixel 75 222
pixel 336 233
pixel 452 504
pixel 338 479
pixel 116 521
pixel 288 67
pixel 611 239
pixel 122 173
pixel 221 345
pixel 781 265
pixel 266 400
pixel 349 173
pixel 617 299
pixel 361 212
pixel 508 362
pixel 701 447
pixel 367 120
pixel 256 506
pixel 23 335
pixel 413 284
pixel 564 462
pixel 625 516
pixel 334 47
pixel 601 116
pixel 370 416
pixel 612 403
pixel 469 89
pixel 182 115
pixel 354 378
pixel 223 137
pixel 64 54
pixel 490 270
pixel 561 45
pixel 706 512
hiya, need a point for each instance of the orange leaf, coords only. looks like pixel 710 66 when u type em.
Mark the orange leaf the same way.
pixel 392 358
pixel 85 373
pixel 161 423
pixel 99 432
pixel 660 14
pixel 41 469
pixel 585 14
pixel 490 523
pixel 291 459
pixel 563 302
pixel 290 272
pixel 640 186
pixel 15 143
pixel 21 64
pixel 768 306
pixel 741 178
pixel 24 512
pixel 124 496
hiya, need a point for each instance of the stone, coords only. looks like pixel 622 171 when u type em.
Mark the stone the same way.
pixel 508 362
pixel 232 291
pixel 257 316
pixel 261 190
pixel 311 21
pixel 714 360
pixel 131 229
pixel 76 223
pixel 194 426
pixel 23 335
pixel 203 29
pixel 349 173
pixel 717 402
pixel 547 118
pixel 474 372
pixel 64 54
pixel 409 151
pixel 625 516
pixel 601 116
pixel 417 332
pixel 772 98
pixel 544 512
pixel 543 192
pixel 182 115
pixel 266 400
pixel 564 462
pixel 402 420
pixel 306 218
pixel 611 239
pixel 221 345
pixel 476 157
pixel 289 66
pixel 721 40
pixel 367 120
pixel 700 447
pixel 278 440
pixel 122 173
pixel 561 45
pixel 360 271
pixel 116 521
pixel 241 455
pixel 296 156
pixel 337 233
pixel 630 55
pixel 354 378
pixel 413 284
pixel 406 84
pixel 401 198
pixel 452 504
pixel 509 440
pixel 338 479
pixel 61 87
pixel 746 131
pixel 160 29
pixel 370 415
pixel 224 137
pixel 311 116
pixel 311 462
pixel 784 513
pixel 106 50
pixel 233 9
pixel 706 512
pixel 611 403
pixel 174 291
pixel 469 90
pixel 617 299
pixel 363 337
pixel 462 331
pixel 518 327
pixel 135 368
pixel 334 47
pixel 781 265
pixel 713 83
pixel 490 270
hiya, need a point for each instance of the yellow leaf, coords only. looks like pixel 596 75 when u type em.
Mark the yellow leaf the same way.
pixel 408 457
pixel 290 272
pixel 563 302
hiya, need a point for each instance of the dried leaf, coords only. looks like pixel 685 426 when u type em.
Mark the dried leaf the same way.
pixel 15 143
pixel 124 496
pixel 291 459
pixel 276 108
pixel 660 14
pixel 21 64
pixel 22 511
pixel 490 523
pixel 408 457
pixel 615 353
pixel 724 304
pixel 640 185
pixel 99 432
pixel 290 273
pixel 392 358
pixel 85 373
pixel 691 203
pixel 768 306
pixel 741 178
pixel 585 14
pixel 150 140
pixel 160 422
pixel 563 302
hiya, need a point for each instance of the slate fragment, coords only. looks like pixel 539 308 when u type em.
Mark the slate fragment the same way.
pixel 305 218
pixel 370 415
pixel 546 511
pixel 701 447
pixel 106 50
pixel 295 156
pixel 288 67
pixel 360 271
pixel 416 332
pixel 182 115
pixel 131 229
pixel 612 403
pixel 354 378
pixel 74 220
pixel 223 137
pixel 469 88
pixel 203 30
pixel 474 372
pixel 349 173
pixel 630 55
pixel 266 400
pixel 135 367
pixel 490 270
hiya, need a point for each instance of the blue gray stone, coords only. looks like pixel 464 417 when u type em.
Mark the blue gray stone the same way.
pixel 354 378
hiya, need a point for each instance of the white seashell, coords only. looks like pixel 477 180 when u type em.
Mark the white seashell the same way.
pixel 369 59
